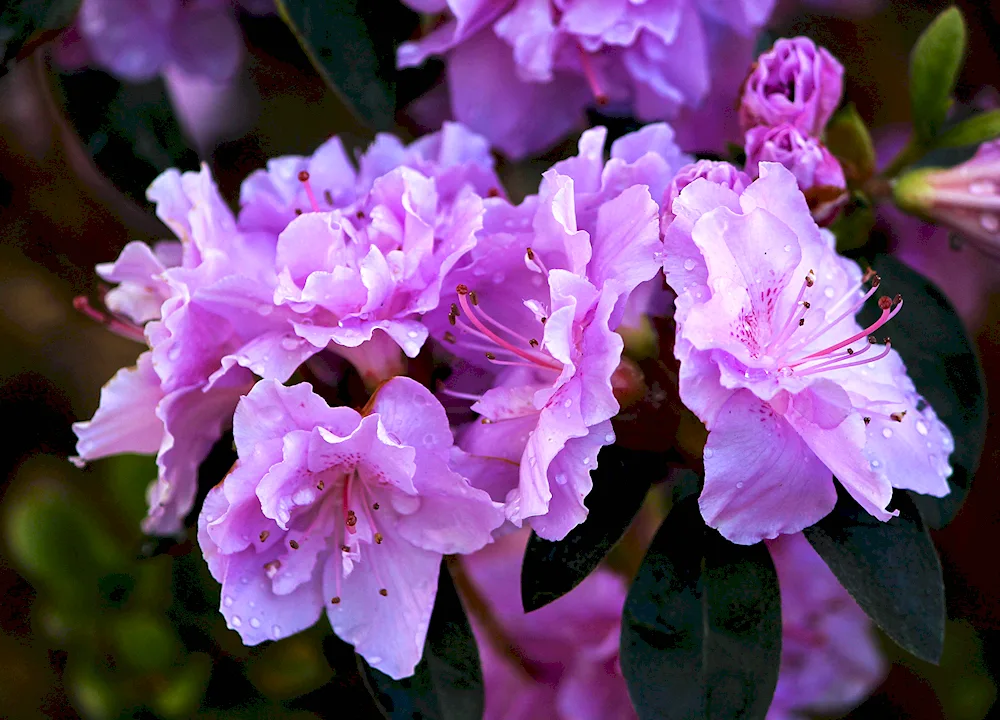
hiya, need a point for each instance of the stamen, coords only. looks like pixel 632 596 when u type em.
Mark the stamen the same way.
pixel 898 416
pixel 293 545
pixel 328 196
pixel 588 72
pixel 304 179
pixel 460 395
pixel 888 347
pixel 264 534
pixel 536 261
pixel 119 327
pixel 885 303
pixel 535 358
pixel 335 600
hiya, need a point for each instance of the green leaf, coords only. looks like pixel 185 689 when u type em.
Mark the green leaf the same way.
pixel 847 137
pixel 621 481
pixel 342 47
pixel 36 21
pixel 890 568
pixel 853 228
pixel 701 630
pixel 448 682
pixel 975 130
pixel 942 362
pixel 934 65
pixel 130 130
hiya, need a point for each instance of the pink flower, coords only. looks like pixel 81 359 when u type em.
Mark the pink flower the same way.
pixel 818 173
pixel 330 508
pixel 965 198
pixel 794 82
pixel 534 313
pixel 559 662
pixel 769 348
pixel 522 72
pixel 830 659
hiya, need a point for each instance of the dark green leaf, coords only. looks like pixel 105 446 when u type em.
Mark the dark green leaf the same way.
pixel 448 682
pixel 340 44
pixel 130 130
pixel 890 568
pixel 853 228
pixel 552 569
pixel 847 137
pixel 934 65
pixel 977 129
pixel 701 630
pixel 942 362
pixel 20 20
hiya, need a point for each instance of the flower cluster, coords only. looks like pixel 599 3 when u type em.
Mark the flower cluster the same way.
pixel 522 72
pixel 787 100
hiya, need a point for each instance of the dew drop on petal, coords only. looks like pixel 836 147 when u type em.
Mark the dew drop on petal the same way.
pixel 290 343
pixel 235 621
pixel 829 292
pixel 886 433
pixel 265 310
pixel 413 334
pixel 276 631
pixel 709 452
pixel 429 438
pixel 227 601
pixel 739 484
pixel 921 427
pixel 990 222
pixel 876 464
pixel 689 264
pixel 586 461
pixel 787 248
pixel 609 438
pixel 561 478
pixel 254 623
pixel 567 403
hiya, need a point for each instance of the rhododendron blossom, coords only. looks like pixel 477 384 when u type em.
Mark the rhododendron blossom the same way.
pixel 327 507
pixel 536 305
pixel 522 72
pixel 791 388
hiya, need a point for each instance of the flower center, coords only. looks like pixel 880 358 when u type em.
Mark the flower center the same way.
pixel 790 345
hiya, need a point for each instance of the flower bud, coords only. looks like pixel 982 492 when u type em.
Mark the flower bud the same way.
pixel 818 173
pixel 720 173
pixel 794 82
pixel 965 198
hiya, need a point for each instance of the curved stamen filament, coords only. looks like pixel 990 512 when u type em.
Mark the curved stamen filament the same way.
pixel 888 312
pixel 794 316
pixel 588 72
pixel 304 179
pixel 888 347
pixel 119 327
pixel 536 359
pixel 535 262
pixel 849 312
pixel 834 358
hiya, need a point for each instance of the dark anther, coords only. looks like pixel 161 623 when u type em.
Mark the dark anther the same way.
pixel 303 176
pixel 264 535
pixel 293 545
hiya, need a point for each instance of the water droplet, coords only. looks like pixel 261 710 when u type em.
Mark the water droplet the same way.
pixel 586 461
pixel 739 485
pixel 982 187
pixel 689 264
pixel 374 660
pixel 876 464
pixel 227 601
pixel 921 427
pixel 787 248
pixel 709 452
pixel 173 352
pixel 303 497
pixel 290 343
pixel 561 478
pixel 244 581
pixel 886 433
pixel 829 292
pixel 429 438
pixel 498 277
pixel 609 438
pixel 990 222
pixel 276 631
pixel 265 310
pixel 413 334
pixel 254 623
pixel 567 402
pixel 235 621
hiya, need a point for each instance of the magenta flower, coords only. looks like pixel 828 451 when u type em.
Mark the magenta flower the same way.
pixel 559 662
pixel 818 173
pixel 140 39
pixel 769 347
pixel 965 198
pixel 794 82
pixel 830 659
pixel 330 508
pixel 534 311
pixel 548 61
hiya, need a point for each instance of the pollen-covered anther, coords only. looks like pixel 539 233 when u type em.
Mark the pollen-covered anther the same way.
pixel 320 485
pixel 293 545
pixel 335 600
pixel 533 342
pixel 461 289
pixel 375 506
pixel 867 420
pixel 885 303
pixel 490 356
pixel 473 298
pixel 530 253
pixel 264 534
pixel 802 321
pixel 345 548
pixel 351 519
pixel 271 568
pixel 383 592
pixel 898 416
pixel 449 336
pixel 810 278
pixel 378 538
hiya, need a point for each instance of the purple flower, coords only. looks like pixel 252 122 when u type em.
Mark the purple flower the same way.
pixel 830 659
pixel 769 347
pixel 534 310
pixel 234 300
pixel 559 662
pixel 794 82
pixel 139 39
pixel 818 173
pixel 965 198
pixel 547 61
pixel 330 508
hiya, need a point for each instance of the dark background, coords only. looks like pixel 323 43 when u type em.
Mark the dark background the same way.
pixel 97 621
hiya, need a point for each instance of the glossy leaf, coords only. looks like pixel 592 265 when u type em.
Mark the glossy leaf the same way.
pixel 977 129
pixel 27 23
pixel 552 569
pixel 847 137
pixel 448 682
pixel 890 568
pixel 340 44
pixel 934 65
pixel 701 630
pixel 941 360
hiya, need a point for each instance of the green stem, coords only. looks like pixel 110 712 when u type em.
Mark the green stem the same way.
pixel 913 151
